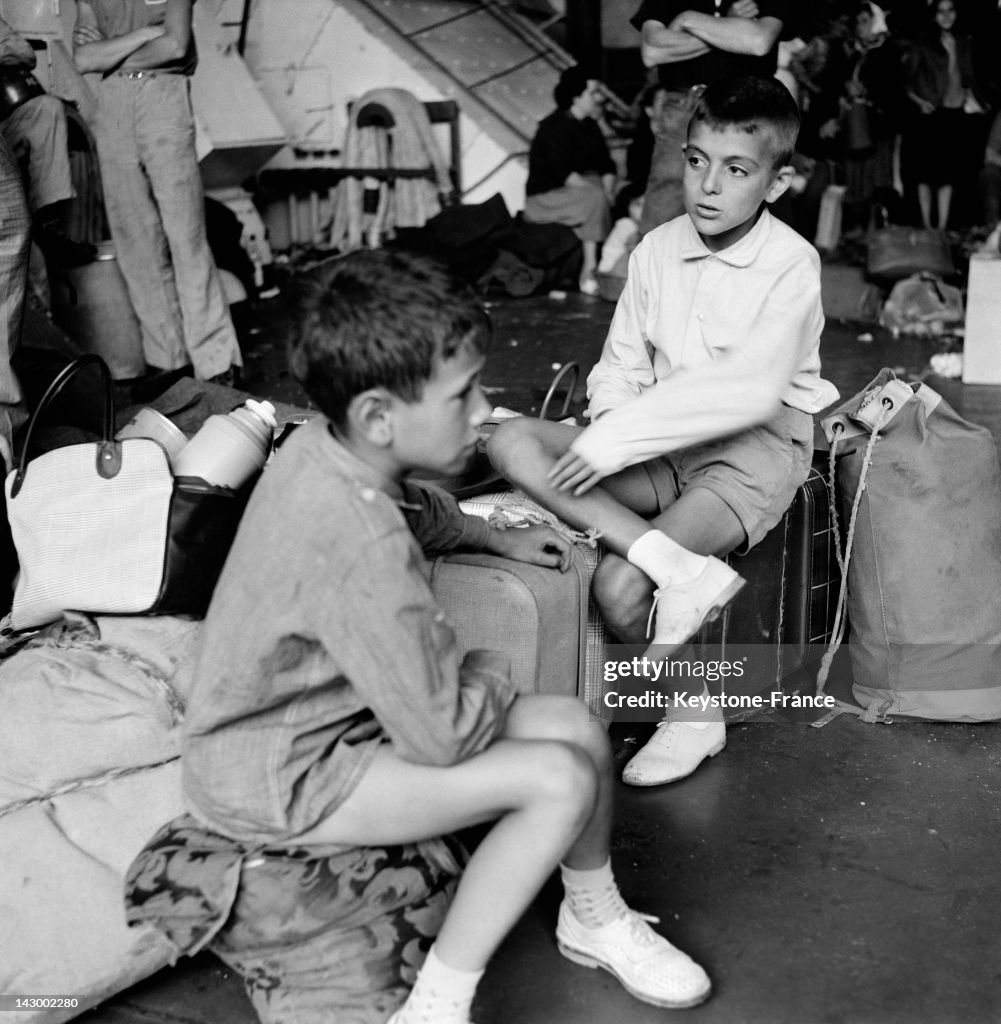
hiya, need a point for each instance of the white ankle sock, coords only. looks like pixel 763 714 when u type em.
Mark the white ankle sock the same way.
pixel 441 994
pixel 664 560
pixel 593 895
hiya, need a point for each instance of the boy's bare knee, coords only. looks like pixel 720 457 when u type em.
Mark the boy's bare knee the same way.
pixel 508 443
pixel 551 718
pixel 578 729
pixel 565 777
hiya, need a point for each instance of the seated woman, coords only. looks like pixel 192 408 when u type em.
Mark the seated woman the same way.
pixel 571 176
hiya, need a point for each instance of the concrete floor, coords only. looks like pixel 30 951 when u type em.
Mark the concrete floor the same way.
pixel 843 875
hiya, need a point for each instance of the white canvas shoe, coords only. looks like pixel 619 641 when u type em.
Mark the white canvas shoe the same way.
pixel 681 609
pixel 645 963
pixel 675 750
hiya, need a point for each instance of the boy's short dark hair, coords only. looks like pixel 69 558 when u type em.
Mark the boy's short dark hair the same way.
pixel 754 105
pixel 572 83
pixel 378 318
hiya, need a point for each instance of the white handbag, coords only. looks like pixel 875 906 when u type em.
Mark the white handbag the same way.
pixel 105 527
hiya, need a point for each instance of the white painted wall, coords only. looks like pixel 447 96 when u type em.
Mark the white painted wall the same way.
pixel 311 58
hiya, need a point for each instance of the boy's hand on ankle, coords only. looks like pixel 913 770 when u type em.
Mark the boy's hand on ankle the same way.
pixel 572 473
pixel 537 545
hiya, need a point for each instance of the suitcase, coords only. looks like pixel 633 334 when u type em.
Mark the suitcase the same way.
pixel 783 618
pixel 553 631
pixel 536 615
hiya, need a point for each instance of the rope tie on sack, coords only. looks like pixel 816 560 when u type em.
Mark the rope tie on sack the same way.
pixel 840 618
pixel 78 631
pixel 90 782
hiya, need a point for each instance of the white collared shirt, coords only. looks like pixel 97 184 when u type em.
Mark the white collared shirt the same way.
pixel 706 344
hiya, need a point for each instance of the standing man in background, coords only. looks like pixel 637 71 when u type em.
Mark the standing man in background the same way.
pixel 15 242
pixel 692 43
pixel 145 130
pixel 34 127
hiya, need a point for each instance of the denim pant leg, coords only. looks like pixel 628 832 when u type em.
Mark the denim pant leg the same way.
pixel 15 235
pixel 664 198
pixel 140 244
pixel 166 135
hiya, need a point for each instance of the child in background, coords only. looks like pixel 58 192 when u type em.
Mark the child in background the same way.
pixel 330 704
pixel 701 403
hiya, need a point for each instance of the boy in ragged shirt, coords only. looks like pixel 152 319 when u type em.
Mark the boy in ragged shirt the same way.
pixel 329 702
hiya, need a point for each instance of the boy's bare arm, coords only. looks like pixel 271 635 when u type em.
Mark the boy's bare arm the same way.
pixel 92 52
pixel 663 44
pixel 735 34
pixel 172 44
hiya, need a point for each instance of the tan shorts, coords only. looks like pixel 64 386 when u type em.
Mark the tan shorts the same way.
pixel 756 472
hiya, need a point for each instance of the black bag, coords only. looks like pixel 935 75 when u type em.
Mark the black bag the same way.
pixel 17 86
pixel 464 238
pixel 535 258
pixel 896 252
pixel 857 129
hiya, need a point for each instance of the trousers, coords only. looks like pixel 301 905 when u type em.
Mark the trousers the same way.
pixel 664 199
pixel 15 242
pixel 156 210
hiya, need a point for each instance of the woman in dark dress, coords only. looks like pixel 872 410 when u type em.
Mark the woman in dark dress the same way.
pixel 942 88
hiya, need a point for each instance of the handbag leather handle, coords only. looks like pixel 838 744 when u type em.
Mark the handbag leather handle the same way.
pixel 108 450
pixel 567 369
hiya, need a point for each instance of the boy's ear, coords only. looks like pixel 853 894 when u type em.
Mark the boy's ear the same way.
pixel 781 181
pixel 370 416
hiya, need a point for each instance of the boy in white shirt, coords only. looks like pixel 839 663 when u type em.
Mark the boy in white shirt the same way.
pixel 701 403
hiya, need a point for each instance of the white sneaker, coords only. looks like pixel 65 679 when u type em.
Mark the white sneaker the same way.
pixel 645 963
pixel 675 750
pixel 682 609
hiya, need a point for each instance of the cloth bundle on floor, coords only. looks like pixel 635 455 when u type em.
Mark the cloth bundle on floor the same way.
pixel 922 305
pixel 318 934
pixel 920 492
pixel 407 144
pixel 484 245
pixel 89 769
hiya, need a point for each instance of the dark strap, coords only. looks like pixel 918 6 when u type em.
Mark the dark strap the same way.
pixel 567 369
pixel 17 86
pixel 108 456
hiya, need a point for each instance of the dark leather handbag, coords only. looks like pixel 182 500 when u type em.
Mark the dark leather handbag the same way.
pixel 17 86
pixel 896 252
pixel 105 528
pixel 857 130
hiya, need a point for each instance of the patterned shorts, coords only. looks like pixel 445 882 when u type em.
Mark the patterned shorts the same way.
pixel 317 933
